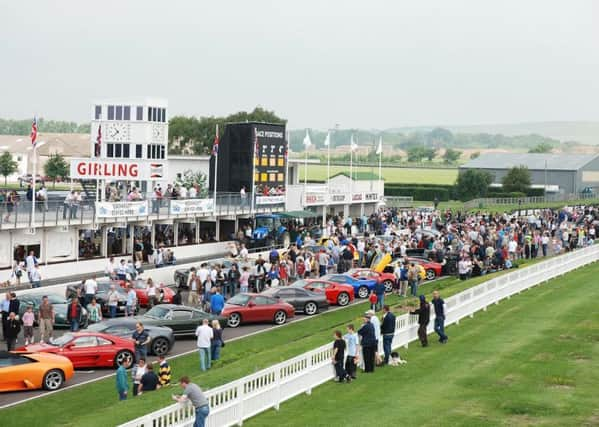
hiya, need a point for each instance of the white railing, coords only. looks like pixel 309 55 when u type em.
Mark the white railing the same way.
pixel 241 399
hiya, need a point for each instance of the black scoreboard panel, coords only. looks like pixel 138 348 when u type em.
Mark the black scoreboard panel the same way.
pixel 236 157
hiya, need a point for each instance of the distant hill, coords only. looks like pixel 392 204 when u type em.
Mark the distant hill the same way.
pixel 582 132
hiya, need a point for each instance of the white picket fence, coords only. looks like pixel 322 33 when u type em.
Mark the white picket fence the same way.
pixel 234 402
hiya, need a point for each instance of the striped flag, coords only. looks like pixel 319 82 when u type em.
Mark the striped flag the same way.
pixel 327 140
pixel 98 146
pixel 307 140
pixel 216 142
pixel 34 131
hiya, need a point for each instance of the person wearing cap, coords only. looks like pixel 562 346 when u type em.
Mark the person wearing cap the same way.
pixel 368 343
pixel 424 313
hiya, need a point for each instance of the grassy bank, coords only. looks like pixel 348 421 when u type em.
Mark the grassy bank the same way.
pixel 527 361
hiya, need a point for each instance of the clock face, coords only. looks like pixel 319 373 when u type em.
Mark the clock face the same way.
pixel 118 132
pixel 158 133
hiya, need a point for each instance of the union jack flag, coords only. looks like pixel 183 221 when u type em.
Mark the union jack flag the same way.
pixel 216 142
pixel 98 146
pixel 34 131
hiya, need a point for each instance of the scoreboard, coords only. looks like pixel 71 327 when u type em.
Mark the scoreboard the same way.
pixel 244 148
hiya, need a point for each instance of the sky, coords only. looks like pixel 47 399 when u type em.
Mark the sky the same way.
pixel 359 64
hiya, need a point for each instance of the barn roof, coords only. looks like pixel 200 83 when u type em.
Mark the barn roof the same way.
pixel 533 161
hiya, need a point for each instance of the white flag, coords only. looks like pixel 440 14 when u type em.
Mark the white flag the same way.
pixel 307 141
pixel 379 149
pixel 352 145
pixel 327 140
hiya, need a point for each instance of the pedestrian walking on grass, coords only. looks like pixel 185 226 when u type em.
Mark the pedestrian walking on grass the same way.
pixel 205 334
pixel 424 313
pixel 351 339
pixel 368 343
pixel 193 393
pixel 388 332
pixel 339 357
pixel 122 380
pixel 217 341
pixel 439 305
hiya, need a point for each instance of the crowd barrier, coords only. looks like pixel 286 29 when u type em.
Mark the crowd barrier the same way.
pixel 239 400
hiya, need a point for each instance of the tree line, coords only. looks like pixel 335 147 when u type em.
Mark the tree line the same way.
pixel 23 127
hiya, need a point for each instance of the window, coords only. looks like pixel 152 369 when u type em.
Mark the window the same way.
pixel 14 360
pixel 164 114
pixel 149 114
pixel 103 341
pixel 138 151
pixel 119 112
pixel 139 113
pixel 118 330
pixel 126 112
pixel 155 151
pixel 154 114
pixel 98 112
pixel 82 342
pixel 111 112
pixel 109 150
pixel 181 315
pixel 118 152
pixel 261 300
pixel 126 151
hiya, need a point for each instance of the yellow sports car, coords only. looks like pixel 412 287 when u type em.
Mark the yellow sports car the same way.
pixel 28 371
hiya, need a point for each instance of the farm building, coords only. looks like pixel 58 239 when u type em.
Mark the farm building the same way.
pixel 558 173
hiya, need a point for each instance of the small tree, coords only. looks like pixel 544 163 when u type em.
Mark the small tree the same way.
pixel 451 155
pixel 56 167
pixel 543 147
pixel 475 155
pixel 516 180
pixel 7 165
pixel 473 183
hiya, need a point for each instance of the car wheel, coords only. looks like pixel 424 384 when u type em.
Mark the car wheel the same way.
pixel 363 292
pixel 280 317
pixel 311 308
pixel 388 286
pixel 123 356
pixel 160 346
pixel 234 320
pixel 430 274
pixel 53 379
pixel 343 298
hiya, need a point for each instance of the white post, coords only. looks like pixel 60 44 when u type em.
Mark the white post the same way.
pixel 328 165
pixel 351 170
pixel 305 168
pixel 215 168
pixel 33 176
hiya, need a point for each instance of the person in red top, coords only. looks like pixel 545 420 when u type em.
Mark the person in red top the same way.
pixel 373 300
pixel 74 314
pixel 283 276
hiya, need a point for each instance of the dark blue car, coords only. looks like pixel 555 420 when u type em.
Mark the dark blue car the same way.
pixel 362 286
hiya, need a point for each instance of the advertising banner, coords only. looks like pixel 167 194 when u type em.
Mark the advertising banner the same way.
pixel 270 200
pixel 117 170
pixel 191 206
pixel 121 209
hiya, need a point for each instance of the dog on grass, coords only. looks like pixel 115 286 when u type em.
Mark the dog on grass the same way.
pixel 396 360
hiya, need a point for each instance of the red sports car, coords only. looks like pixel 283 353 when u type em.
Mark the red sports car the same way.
pixel 252 308
pixel 431 268
pixel 336 293
pixel 141 290
pixel 88 350
pixel 386 278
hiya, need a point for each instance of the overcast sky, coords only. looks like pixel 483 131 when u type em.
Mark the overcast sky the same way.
pixel 367 64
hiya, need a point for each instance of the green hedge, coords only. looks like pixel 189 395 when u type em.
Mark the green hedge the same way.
pixel 420 193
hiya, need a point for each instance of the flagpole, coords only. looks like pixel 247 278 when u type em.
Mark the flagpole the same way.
pixel 381 159
pixel 351 168
pixel 216 150
pixel 328 160
pixel 253 192
pixel 34 173
pixel 287 168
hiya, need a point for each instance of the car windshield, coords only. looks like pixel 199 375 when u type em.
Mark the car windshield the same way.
pixel 266 222
pixel 299 284
pixel 158 312
pixel 61 341
pixel 52 298
pixel 239 299
pixel 105 287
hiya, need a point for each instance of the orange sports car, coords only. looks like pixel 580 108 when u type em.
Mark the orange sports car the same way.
pixel 28 371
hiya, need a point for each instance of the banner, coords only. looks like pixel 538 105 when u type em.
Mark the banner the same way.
pixel 113 170
pixel 121 209
pixel 191 206
pixel 269 200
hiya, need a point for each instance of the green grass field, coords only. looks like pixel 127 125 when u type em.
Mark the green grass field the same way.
pixel 391 175
pixel 240 358
pixel 528 361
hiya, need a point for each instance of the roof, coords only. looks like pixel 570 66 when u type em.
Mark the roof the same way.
pixel 299 214
pixel 359 176
pixel 531 160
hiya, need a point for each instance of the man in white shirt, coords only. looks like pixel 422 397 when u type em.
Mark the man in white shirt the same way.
pixel 512 246
pixel 183 192
pixel 204 334
pixel 30 262
pixel 193 193
pixel 243 253
pixel 110 268
pixel 91 287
